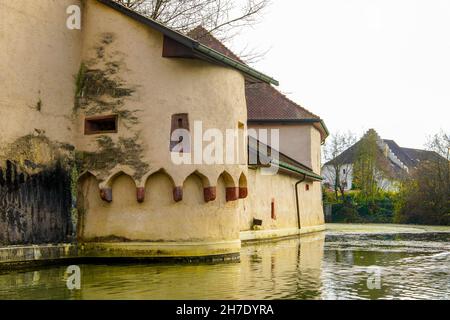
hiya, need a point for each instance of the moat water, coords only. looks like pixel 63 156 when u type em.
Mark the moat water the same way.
pixel 345 262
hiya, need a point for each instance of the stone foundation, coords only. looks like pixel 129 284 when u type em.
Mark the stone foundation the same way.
pixel 190 252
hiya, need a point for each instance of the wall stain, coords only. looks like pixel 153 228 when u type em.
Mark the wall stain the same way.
pixel 126 152
pixel 101 90
pixel 35 152
pixel 99 87
pixel 35 209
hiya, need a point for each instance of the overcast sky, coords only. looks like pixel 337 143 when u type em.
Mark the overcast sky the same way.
pixel 361 64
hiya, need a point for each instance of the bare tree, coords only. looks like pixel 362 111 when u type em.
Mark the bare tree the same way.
pixel 220 17
pixel 439 143
pixel 424 197
pixel 338 170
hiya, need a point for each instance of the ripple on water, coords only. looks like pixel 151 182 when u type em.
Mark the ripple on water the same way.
pixel 338 266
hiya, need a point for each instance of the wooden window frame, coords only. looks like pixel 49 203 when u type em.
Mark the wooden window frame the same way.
pixel 114 117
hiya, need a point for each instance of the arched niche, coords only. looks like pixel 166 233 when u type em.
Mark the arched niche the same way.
pixel 123 189
pixel 243 189
pixel 193 190
pixel 208 191
pixel 160 189
pixel 87 199
pixel 226 183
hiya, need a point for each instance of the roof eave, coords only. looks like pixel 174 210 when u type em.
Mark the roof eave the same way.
pixel 311 175
pixel 190 43
pixel 235 64
pixel 295 121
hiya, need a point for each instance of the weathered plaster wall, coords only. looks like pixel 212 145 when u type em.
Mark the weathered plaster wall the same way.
pixel 302 142
pixel 281 188
pixel 146 89
pixel 34 208
pixel 38 60
pixel 158 218
pixel 310 202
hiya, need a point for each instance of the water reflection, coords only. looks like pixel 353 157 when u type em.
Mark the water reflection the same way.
pixel 337 266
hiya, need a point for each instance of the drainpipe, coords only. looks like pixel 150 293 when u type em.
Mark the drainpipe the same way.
pixel 296 198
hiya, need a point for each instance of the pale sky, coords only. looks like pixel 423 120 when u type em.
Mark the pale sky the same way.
pixel 361 64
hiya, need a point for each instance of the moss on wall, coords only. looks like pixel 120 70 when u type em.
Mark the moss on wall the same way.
pixel 35 152
pixel 101 90
pixel 126 152
pixel 99 87
pixel 35 191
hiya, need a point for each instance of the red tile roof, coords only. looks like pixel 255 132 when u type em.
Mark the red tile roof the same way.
pixel 264 102
pixel 204 37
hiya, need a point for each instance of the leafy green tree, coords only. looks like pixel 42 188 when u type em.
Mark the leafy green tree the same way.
pixel 369 167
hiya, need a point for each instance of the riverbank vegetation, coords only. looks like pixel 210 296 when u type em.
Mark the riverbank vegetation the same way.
pixel 424 197
pixel 421 197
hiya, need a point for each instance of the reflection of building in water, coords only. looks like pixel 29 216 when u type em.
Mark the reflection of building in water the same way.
pixel 289 269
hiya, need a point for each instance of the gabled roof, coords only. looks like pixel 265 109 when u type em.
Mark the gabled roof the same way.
pixel 418 155
pixel 191 46
pixel 409 157
pixel 400 153
pixel 267 103
pixel 347 156
pixel 264 102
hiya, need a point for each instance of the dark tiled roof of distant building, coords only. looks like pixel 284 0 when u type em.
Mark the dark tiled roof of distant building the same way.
pixel 409 157
pixel 400 153
pixel 347 156
pixel 418 155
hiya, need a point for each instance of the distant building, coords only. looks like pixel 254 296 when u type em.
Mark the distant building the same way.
pixel 398 161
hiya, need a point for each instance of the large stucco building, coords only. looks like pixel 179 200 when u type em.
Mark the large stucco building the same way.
pixel 87 117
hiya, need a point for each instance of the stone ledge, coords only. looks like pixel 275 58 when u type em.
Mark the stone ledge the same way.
pixel 220 251
pixel 20 255
pixel 278 233
pixel 13 257
pixel 159 249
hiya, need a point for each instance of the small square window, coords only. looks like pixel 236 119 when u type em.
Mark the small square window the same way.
pixel 180 121
pixel 102 124
pixel 307 187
